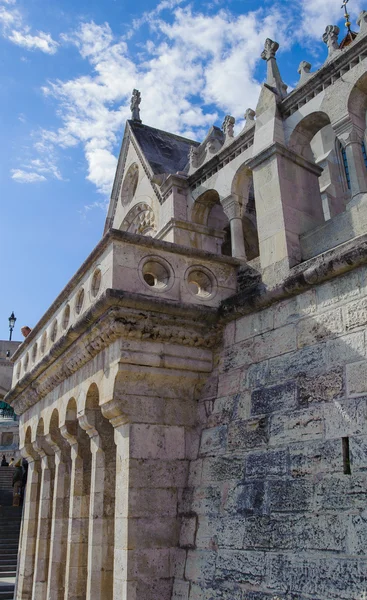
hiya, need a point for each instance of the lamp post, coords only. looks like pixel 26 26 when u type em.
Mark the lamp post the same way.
pixel 12 320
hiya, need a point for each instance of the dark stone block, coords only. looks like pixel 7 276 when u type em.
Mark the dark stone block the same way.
pixel 288 495
pixel 262 464
pixel 277 397
pixel 244 434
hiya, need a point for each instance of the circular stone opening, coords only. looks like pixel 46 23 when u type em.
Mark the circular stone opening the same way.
pixel 79 301
pixel 66 317
pixel 34 352
pixel 54 330
pixel 96 282
pixel 155 274
pixel 200 284
pixel 43 342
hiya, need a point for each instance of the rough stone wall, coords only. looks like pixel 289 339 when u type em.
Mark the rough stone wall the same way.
pixel 269 512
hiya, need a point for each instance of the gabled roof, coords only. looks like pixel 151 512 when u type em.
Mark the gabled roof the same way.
pixel 161 151
pixel 165 152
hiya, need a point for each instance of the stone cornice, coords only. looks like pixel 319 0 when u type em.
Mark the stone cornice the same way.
pixel 128 238
pixel 277 148
pixel 326 266
pixel 116 315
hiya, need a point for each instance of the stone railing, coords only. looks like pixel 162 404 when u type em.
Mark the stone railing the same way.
pixel 139 266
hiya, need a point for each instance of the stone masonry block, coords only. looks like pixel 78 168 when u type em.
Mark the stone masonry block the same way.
pixel 255 376
pixel 290 495
pixel 341 493
pixel 229 382
pixel 254 324
pixel 346 349
pixel 305 532
pixel 247 434
pixel 240 566
pixel 222 468
pixel 271 399
pixel 339 290
pixel 247 499
pixel 200 565
pixel 213 440
pixel 320 388
pixel 346 417
pixel 188 532
pixel 291 311
pixel 238 355
pixel 310 360
pixel 316 458
pixel 356 376
pixel 155 441
pixel 299 425
pixel 263 464
pixel 220 532
pixel 274 343
pixel 181 590
pixel 358 453
pixel 356 314
pixel 319 327
pixel 319 577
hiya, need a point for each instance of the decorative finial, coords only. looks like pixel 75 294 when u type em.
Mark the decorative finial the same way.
pixel 330 38
pixel 304 71
pixel 134 106
pixel 227 127
pixel 362 22
pixel 346 15
pixel 249 118
pixel 193 158
pixel 273 79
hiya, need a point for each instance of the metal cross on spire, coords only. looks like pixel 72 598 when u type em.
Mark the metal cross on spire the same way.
pixel 346 15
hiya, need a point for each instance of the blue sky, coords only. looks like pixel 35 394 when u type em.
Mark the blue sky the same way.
pixel 67 70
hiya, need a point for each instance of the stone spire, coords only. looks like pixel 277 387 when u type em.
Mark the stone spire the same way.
pixel 330 38
pixel 273 78
pixel 134 106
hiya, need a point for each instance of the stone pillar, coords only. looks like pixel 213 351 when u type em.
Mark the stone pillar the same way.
pixel 29 527
pixel 101 507
pixel 351 139
pixel 77 541
pixel 273 78
pixel 232 209
pixel 60 516
pixel 154 414
pixel 44 521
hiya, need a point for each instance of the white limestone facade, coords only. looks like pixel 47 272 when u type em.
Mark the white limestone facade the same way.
pixel 193 404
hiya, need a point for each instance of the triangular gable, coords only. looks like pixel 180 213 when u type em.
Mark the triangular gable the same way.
pixel 159 153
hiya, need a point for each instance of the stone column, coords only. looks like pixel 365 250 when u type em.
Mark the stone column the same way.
pixel 232 209
pixel 29 526
pixel 351 139
pixel 77 540
pixel 60 516
pixel 44 521
pixel 101 507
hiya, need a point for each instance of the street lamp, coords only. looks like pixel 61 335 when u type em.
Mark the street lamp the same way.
pixel 12 320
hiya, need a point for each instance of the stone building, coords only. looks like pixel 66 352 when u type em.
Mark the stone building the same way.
pixel 193 404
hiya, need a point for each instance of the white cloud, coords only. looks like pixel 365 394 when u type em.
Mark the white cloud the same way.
pixel 316 15
pixel 12 27
pixel 195 57
pixel 26 177
pixel 42 41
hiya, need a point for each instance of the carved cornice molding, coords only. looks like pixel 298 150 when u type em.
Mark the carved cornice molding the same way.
pixel 103 327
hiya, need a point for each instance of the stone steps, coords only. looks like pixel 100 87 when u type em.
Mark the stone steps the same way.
pixel 10 523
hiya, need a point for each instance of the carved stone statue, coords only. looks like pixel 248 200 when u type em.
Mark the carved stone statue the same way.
pixel 193 157
pixel 134 106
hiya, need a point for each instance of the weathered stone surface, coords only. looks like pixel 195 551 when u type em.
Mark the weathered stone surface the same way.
pixel 213 440
pixel 316 458
pixel 308 360
pixel 356 378
pixel 247 499
pixel 264 464
pixel 223 468
pixel 240 566
pixel 251 433
pixel 319 327
pixel 299 425
pixel 320 388
pixel 271 399
pixel 290 495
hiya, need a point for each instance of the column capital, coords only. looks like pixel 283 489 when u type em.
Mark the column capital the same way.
pixel 87 422
pixel 231 207
pixel 69 433
pixel 112 411
pixel 348 133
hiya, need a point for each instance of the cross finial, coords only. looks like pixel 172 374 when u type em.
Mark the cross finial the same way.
pixel 346 14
